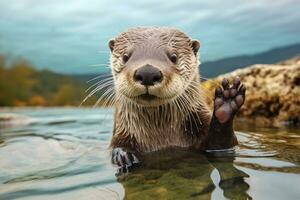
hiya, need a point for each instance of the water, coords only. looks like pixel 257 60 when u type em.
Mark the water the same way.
pixel 62 154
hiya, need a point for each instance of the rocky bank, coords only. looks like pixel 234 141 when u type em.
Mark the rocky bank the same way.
pixel 273 92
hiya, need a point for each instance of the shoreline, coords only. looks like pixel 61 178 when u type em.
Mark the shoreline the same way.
pixel 50 107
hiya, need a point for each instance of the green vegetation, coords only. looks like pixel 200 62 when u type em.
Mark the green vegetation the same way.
pixel 22 85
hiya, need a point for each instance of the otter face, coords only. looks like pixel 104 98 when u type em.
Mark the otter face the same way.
pixel 153 66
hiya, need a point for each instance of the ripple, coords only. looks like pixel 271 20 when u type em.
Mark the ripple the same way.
pixel 14 120
pixel 42 192
pixel 61 122
pixel 63 155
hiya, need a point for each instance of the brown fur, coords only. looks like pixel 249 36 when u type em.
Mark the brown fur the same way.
pixel 180 116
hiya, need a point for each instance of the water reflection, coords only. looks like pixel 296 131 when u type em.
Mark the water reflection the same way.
pixel 182 174
pixel 265 160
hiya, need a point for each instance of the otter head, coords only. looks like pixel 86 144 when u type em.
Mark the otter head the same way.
pixel 153 66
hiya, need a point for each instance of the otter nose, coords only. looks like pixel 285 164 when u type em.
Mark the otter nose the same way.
pixel 148 75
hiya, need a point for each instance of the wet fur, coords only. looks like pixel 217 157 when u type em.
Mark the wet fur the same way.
pixel 179 116
pixel 145 129
pixel 184 121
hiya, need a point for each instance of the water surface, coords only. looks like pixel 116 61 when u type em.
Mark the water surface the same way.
pixel 60 153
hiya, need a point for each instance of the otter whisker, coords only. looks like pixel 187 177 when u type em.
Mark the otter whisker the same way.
pixel 196 92
pixel 111 99
pixel 193 108
pixel 98 88
pixel 179 108
pixel 187 115
pixel 197 110
pixel 192 121
pixel 100 65
pixel 87 97
pixel 103 79
pixel 99 76
pixel 103 90
pixel 100 82
pixel 182 102
pixel 104 83
pixel 109 91
pixel 196 86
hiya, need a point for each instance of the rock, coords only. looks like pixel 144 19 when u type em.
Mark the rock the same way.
pixel 11 119
pixel 273 92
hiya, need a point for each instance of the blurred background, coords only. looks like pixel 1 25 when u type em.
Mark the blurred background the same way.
pixel 49 49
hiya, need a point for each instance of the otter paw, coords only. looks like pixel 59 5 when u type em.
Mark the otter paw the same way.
pixel 228 100
pixel 124 160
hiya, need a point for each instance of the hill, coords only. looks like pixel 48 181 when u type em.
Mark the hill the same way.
pixel 22 85
pixel 222 66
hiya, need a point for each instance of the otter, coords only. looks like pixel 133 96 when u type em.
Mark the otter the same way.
pixel 159 103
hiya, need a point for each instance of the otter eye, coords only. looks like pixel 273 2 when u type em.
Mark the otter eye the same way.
pixel 173 58
pixel 125 58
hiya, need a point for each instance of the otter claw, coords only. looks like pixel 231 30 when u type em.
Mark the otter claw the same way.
pixel 124 160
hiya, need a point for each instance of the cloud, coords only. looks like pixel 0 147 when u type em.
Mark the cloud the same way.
pixel 67 36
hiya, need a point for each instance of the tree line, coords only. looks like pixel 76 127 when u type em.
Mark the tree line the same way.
pixel 22 85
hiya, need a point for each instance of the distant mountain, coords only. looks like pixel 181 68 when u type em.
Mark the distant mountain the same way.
pixel 214 68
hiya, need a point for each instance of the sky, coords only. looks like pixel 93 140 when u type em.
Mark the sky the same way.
pixel 71 36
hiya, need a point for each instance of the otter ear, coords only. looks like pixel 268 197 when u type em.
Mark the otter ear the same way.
pixel 195 46
pixel 111 44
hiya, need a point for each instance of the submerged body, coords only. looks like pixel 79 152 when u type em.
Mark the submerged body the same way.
pixel 158 99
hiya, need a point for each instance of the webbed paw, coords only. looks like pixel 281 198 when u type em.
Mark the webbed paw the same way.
pixel 228 100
